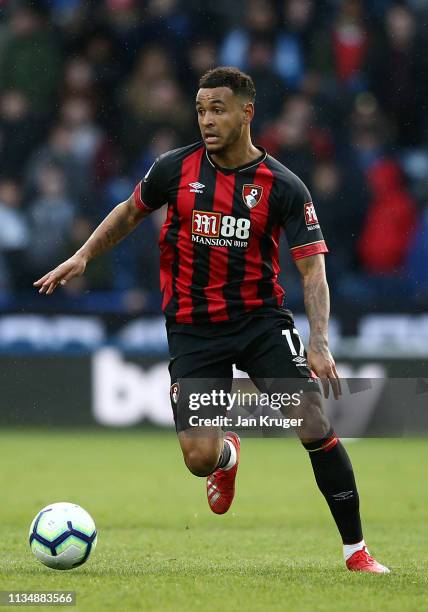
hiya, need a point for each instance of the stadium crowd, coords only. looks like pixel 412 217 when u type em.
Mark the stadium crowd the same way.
pixel 91 92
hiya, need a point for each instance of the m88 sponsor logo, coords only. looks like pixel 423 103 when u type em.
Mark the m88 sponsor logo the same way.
pixel 216 229
pixel 311 218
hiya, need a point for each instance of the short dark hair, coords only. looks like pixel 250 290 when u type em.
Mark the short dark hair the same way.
pixel 228 76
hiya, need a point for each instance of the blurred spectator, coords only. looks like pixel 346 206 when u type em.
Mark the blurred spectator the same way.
pixel 77 113
pixel 288 43
pixel 168 21
pixel 417 261
pixel 93 149
pixel 51 218
pixel 152 99
pixel 369 132
pixel 87 141
pixel 201 56
pixel 104 57
pixel 58 151
pixel 340 52
pixel 350 41
pixel 79 80
pixel 395 73
pixel 260 20
pixel 390 222
pixel 124 19
pixel 20 131
pixel 64 12
pixel 270 89
pixel 294 42
pixel 340 204
pixel 289 137
pixel 14 235
pixel 31 60
pixel 153 64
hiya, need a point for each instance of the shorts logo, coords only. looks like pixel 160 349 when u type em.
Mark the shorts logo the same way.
pixel 206 223
pixel 175 392
pixel 252 194
pixel 310 214
pixel 300 361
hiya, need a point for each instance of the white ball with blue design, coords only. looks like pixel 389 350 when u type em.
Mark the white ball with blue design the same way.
pixel 63 535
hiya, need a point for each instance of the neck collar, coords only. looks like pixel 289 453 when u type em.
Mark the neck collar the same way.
pixel 254 162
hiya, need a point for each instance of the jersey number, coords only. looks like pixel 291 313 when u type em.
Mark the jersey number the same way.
pixel 287 334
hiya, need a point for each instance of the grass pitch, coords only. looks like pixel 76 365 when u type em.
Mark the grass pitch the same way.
pixel 160 548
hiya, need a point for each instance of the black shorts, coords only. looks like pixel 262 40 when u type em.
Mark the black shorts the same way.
pixel 264 344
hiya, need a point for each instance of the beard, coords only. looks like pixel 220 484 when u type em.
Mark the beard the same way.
pixel 233 136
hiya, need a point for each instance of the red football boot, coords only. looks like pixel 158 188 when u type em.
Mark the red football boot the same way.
pixel 221 483
pixel 362 561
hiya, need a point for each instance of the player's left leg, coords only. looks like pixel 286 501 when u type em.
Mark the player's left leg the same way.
pixel 273 357
pixel 335 478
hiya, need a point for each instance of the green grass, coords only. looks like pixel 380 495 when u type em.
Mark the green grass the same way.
pixel 160 548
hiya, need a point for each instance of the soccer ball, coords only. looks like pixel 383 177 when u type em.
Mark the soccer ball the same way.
pixel 62 536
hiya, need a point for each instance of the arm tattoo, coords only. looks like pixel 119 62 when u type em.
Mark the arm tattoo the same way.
pixel 118 224
pixel 317 305
pixel 114 233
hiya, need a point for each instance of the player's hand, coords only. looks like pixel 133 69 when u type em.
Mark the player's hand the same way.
pixel 322 363
pixel 75 266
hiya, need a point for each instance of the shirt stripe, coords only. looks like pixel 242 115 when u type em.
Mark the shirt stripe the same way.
pixel 223 201
pixel 201 253
pixel 253 257
pixel 185 204
pixel 237 257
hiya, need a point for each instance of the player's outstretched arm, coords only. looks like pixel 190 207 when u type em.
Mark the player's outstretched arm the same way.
pixel 117 225
pixel 317 305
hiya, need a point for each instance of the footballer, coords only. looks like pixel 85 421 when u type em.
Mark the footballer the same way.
pixel 227 201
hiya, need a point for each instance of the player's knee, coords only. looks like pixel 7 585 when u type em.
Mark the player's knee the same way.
pixel 201 462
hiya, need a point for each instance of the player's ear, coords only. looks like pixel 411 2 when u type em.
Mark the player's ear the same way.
pixel 248 112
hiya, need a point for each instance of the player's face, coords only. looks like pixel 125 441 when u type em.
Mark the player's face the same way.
pixel 221 117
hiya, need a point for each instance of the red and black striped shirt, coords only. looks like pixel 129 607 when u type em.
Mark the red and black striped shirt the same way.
pixel 219 243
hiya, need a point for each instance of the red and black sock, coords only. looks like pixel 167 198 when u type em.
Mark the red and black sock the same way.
pixel 335 479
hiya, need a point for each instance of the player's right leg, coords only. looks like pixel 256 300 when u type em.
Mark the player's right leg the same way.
pixel 208 452
pixel 202 449
pixel 201 366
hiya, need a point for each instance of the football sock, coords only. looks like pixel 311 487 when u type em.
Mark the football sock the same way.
pixel 228 456
pixel 350 549
pixel 233 457
pixel 335 478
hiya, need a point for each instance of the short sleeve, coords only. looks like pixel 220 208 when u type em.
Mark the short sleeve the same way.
pixel 152 192
pixel 300 222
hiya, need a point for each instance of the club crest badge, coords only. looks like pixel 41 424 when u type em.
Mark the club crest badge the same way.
pixel 175 392
pixel 252 194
